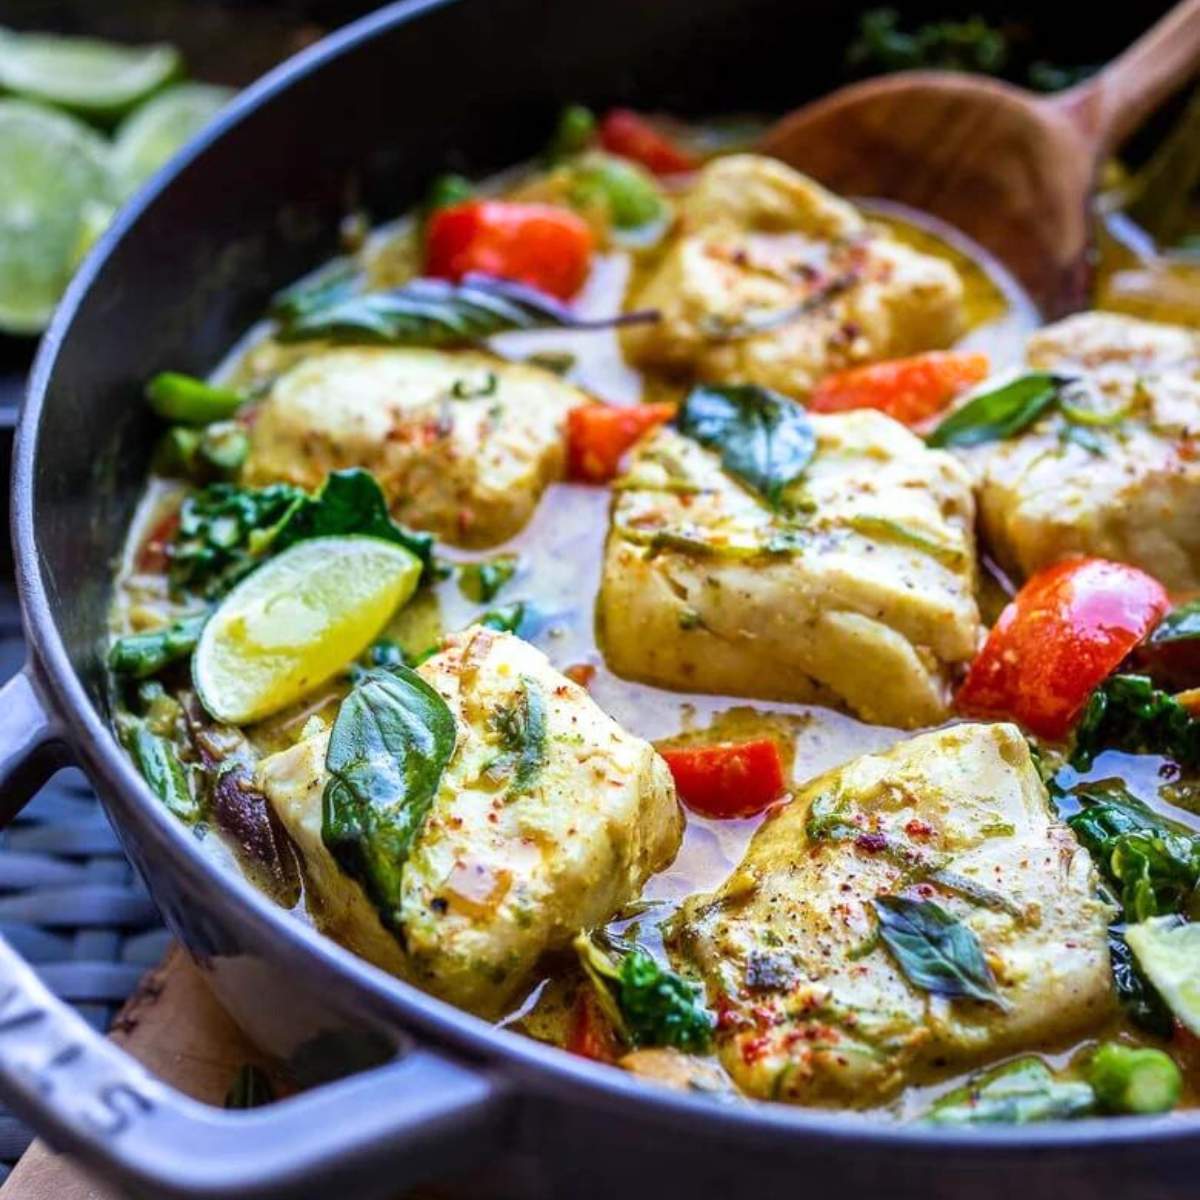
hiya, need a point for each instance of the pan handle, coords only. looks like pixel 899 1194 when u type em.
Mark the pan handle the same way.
pixel 31 743
pixel 369 1135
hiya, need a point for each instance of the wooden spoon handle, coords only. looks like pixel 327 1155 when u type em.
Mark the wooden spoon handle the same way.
pixel 1107 108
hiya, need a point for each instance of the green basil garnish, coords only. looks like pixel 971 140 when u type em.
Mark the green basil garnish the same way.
pixel 936 952
pixel 765 440
pixel 390 744
pixel 1003 413
pixel 349 502
pixel 1017 1093
pixel 436 312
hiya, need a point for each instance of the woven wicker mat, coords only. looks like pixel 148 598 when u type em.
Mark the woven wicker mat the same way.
pixel 69 902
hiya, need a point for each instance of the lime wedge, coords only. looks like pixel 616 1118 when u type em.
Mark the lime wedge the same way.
pixel 150 135
pixel 1169 954
pixel 102 80
pixel 297 621
pixel 52 171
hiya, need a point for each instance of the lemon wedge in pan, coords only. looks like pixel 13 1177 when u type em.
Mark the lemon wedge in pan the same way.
pixel 296 622
pixel 1169 954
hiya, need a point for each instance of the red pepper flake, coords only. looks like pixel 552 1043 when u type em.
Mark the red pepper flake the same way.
pixel 918 829
pixel 581 673
pixel 754 1049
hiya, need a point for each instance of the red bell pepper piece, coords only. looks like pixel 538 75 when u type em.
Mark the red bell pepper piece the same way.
pixel 599 434
pixel 153 556
pixel 590 1033
pixel 625 133
pixel 1067 629
pixel 539 244
pixel 909 389
pixel 728 779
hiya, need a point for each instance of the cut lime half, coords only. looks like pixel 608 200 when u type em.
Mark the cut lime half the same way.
pixel 1169 954
pixel 150 135
pixel 297 621
pixel 101 80
pixel 53 172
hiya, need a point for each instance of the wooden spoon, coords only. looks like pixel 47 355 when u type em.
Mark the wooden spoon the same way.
pixel 1012 169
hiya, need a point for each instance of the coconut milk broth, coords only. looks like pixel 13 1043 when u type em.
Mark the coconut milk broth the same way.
pixel 560 556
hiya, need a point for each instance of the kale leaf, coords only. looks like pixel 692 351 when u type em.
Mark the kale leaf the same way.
pixel 225 531
pixel 1153 862
pixel 1127 712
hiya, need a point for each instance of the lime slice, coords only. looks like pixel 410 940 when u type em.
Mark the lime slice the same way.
pixel 52 169
pixel 297 621
pixel 150 135
pixel 96 79
pixel 1169 954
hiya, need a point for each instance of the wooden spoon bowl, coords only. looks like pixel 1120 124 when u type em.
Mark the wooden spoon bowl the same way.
pixel 1013 170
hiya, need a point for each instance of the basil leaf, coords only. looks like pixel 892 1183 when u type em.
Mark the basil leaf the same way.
pixel 390 744
pixel 435 312
pixel 1180 624
pixel 140 655
pixel 765 440
pixel 936 952
pixel 1003 413
pixel 333 283
pixel 350 501
pixel 1017 1093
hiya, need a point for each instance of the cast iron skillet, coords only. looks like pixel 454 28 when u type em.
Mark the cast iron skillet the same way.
pixel 366 118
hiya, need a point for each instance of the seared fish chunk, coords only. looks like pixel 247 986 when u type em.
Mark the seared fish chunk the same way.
pixel 754 241
pixel 861 596
pixel 1128 491
pixel 816 1009
pixel 463 444
pixel 505 868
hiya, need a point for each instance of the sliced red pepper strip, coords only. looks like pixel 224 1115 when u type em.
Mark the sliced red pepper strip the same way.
pixel 539 244
pixel 1062 635
pixel 728 779
pixel 625 133
pixel 590 1033
pixel 599 434
pixel 152 557
pixel 909 389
